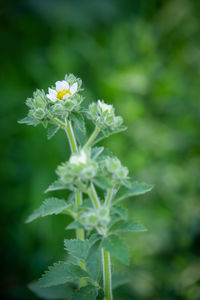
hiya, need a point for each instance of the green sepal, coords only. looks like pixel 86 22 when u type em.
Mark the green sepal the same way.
pixel 52 130
pixel 61 273
pixel 117 248
pixel 136 189
pixel 126 226
pixel 29 121
pixel 54 292
pixel 50 206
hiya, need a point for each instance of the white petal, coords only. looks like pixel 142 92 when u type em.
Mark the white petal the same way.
pixel 74 88
pixel 62 85
pixel 52 95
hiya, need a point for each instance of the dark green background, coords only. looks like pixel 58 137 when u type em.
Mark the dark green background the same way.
pixel 144 57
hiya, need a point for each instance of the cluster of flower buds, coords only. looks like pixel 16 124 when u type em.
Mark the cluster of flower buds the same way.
pixel 96 219
pixel 103 115
pixel 61 99
pixel 117 172
pixel 79 168
pixel 38 105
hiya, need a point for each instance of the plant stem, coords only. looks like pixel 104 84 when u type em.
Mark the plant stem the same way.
pixel 78 195
pixel 92 137
pixel 93 196
pixel 107 276
pixel 78 202
pixel 109 197
pixel 71 137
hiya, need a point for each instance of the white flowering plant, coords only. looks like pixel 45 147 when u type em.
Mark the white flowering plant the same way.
pixel 97 182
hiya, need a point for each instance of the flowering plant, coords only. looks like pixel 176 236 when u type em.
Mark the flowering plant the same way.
pixel 89 172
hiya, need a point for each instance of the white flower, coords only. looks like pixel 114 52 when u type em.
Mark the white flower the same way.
pixel 62 91
pixel 105 107
pixel 80 158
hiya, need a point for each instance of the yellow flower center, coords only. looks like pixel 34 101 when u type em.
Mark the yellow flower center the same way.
pixel 62 93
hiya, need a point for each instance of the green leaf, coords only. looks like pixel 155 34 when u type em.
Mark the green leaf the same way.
pixel 88 292
pixel 117 248
pixel 109 132
pixel 126 226
pixel 102 182
pixel 79 127
pixel 120 211
pixel 55 186
pixel 93 262
pixel 77 248
pixel 52 131
pixel 54 292
pixel 29 121
pixel 137 188
pixel 50 206
pixel 96 151
pixel 74 225
pixel 61 273
pixel 118 280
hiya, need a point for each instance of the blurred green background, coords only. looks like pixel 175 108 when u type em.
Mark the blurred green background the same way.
pixel 144 57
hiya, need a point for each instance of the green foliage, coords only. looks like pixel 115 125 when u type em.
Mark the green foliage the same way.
pixel 87 169
pixel 77 248
pixel 61 273
pixel 117 248
pixel 50 206
pixel 55 292
pixel 86 292
pixel 148 68
pixel 126 226
pixel 136 189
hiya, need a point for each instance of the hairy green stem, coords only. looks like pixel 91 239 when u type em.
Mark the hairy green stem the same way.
pixel 107 276
pixel 71 137
pixel 93 196
pixel 78 195
pixel 92 137
pixel 109 197
pixel 78 202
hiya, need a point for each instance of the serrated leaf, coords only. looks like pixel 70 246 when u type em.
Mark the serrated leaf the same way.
pixel 50 206
pixel 126 226
pixel 52 131
pixel 96 151
pixel 74 225
pixel 55 186
pixel 88 292
pixel 102 182
pixel 54 292
pixel 61 273
pixel 77 248
pixel 79 127
pixel 120 211
pixel 109 132
pixel 93 262
pixel 136 189
pixel 117 248
pixel 28 121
